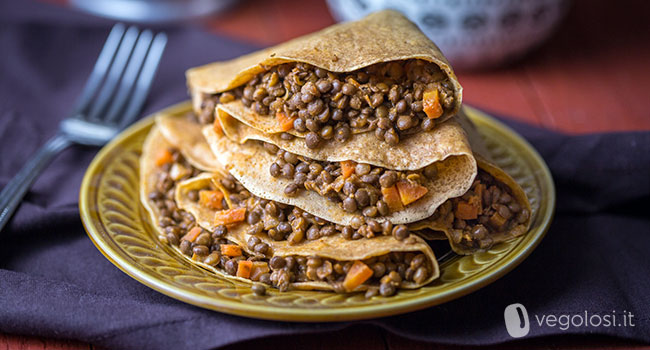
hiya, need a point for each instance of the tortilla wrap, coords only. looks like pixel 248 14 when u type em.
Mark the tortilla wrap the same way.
pixel 413 153
pixel 153 145
pixel 380 37
pixel 249 163
pixel 184 134
pixel 428 228
pixel 440 228
pixel 332 247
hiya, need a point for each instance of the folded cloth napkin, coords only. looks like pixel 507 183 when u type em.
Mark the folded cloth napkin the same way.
pixel 55 283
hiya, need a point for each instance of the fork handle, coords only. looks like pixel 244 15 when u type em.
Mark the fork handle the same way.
pixel 13 193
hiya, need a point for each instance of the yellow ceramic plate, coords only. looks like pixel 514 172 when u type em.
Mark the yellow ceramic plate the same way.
pixel 120 228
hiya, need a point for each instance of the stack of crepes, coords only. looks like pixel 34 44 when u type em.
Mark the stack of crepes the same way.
pixel 327 163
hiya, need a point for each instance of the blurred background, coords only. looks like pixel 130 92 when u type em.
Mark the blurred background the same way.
pixel 570 65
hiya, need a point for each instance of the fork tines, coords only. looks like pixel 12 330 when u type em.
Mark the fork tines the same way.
pixel 116 89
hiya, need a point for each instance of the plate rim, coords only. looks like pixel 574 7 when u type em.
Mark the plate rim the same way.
pixel 348 313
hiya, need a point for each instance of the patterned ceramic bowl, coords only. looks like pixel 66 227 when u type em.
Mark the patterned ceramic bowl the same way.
pixel 471 33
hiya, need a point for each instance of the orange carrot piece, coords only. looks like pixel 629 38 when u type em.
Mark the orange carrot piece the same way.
pixel 211 199
pixel 230 250
pixel 431 104
pixel 347 168
pixel 409 191
pixel 164 158
pixel 229 216
pixel 286 123
pixel 391 197
pixel 192 234
pixel 358 273
pixel 477 201
pixel 466 211
pixel 244 268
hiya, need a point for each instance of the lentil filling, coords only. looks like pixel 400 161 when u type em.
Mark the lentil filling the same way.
pixel 285 222
pixel 356 187
pixel 392 99
pixel 383 274
pixel 486 210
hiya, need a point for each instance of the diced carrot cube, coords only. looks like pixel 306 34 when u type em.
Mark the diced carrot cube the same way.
pixel 391 197
pixel 229 216
pixel 347 168
pixel 477 202
pixel 410 191
pixel 230 250
pixel 192 234
pixel 244 268
pixel 211 199
pixel 164 157
pixel 358 273
pixel 286 123
pixel 470 208
pixel 497 221
pixel 431 104
pixel 466 211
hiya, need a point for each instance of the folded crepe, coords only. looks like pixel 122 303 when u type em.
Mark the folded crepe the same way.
pixel 380 75
pixel 212 220
pixel 494 210
pixel 403 183
pixel 334 248
pixel 184 133
pixel 443 222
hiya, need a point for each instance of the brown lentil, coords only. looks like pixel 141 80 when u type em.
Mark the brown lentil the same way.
pixel 400 232
pixel 387 289
pixel 220 231
pixel 259 289
pixel 312 140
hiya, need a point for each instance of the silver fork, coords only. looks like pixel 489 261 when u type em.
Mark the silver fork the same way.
pixel 111 99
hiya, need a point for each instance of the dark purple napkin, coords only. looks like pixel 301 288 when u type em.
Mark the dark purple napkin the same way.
pixel 54 282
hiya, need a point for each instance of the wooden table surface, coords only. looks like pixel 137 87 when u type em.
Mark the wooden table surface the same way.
pixel 592 76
